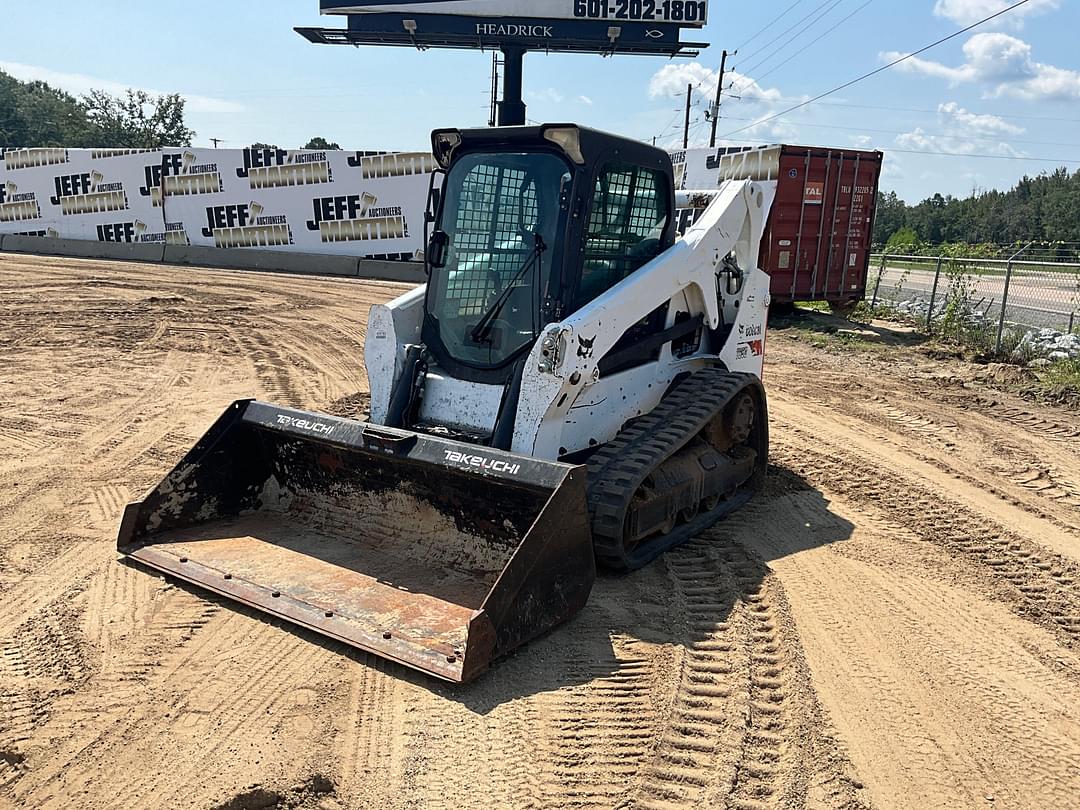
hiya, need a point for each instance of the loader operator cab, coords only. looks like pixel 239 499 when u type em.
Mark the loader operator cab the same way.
pixel 530 224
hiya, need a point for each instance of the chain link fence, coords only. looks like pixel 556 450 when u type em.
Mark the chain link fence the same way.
pixel 991 302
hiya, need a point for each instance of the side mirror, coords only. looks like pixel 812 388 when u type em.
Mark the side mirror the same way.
pixel 437 248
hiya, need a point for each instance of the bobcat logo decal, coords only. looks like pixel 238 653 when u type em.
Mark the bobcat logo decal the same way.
pixel 585 347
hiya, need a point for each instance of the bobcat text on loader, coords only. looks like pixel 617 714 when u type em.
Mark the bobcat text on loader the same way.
pixel 573 386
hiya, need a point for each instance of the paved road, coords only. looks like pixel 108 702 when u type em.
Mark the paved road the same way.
pixel 1037 299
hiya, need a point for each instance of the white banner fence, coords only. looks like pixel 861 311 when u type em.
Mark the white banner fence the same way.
pixel 348 203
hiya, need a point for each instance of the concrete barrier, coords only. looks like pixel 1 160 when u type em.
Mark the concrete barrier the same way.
pixel 83 248
pixel 410 272
pixel 268 260
pixel 275 261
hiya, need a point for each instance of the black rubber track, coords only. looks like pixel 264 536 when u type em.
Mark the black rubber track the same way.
pixel 618 468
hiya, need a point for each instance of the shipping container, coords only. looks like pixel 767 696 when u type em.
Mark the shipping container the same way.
pixel 817 240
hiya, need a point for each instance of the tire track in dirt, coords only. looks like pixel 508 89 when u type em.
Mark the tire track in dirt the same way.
pixel 967 477
pixel 229 706
pixel 1044 481
pixel 944 431
pixel 745 722
pixel 71 568
pixel 951 695
pixel 328 366
pixel 1032 422
pixel 971 446
pixel 1042 584
pixel 277 378
pixel 40 660
pixel 603 729
pixel 690 753
pixel 368 742
pixel 106 504
pixel 453 736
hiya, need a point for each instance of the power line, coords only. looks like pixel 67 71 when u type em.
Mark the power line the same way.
pixel 779 48
pixel 858 129
pixel 814 41
pixel 751 80
pixel 770 24
pixel 888 149
pixel 667 127
pixel 880 69
pixel 937 112
pixel 794 25
pixel 1057 161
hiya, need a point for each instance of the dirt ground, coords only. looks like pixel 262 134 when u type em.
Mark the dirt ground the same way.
pixel 895 624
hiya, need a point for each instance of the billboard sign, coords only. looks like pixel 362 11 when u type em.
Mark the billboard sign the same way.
pixel 685 13
pixel 529 32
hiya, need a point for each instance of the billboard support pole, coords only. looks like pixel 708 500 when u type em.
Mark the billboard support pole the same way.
pixel 512 108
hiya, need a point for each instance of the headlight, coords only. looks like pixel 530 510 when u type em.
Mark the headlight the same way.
pixel 569 140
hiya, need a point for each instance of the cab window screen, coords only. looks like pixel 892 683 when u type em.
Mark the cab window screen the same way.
pixel 496 207
pixel 626 225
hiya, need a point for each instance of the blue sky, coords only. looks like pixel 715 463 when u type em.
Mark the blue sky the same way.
pixel 1009 90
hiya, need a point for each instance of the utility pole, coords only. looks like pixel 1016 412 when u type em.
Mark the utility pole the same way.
pixel 494 111
pixel 719 89
pixel 686 120
pixel 215 142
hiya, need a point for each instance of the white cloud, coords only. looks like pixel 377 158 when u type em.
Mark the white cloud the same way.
pixel 921 141
pixel 978 123
pixel 80 83
pixel 585 100
pixel 964 132
pixel 1004 65
pixel 891 166
pixel 966 12
pixel 548 94
pixel 671 81
pixel 862 141
pixel 745 103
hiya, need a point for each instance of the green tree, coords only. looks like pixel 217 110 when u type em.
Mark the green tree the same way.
pixel 138 120
pixel 890 216
pixel 905 240
pixel 322 145
pixel 1042 208
pixel 35 114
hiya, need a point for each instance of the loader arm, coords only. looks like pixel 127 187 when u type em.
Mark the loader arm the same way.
pixel 732 224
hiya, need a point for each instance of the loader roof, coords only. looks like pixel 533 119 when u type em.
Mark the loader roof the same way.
pixel 582 144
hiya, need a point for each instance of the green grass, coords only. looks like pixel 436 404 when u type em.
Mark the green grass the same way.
pixel 1061 380
pixel 841 342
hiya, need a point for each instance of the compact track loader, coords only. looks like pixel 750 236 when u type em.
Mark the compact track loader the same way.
pixel 574 385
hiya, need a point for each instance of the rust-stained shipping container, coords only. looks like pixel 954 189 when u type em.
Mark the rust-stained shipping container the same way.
pixel 817 241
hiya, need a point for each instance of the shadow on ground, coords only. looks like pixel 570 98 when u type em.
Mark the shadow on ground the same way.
pixel 827 325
